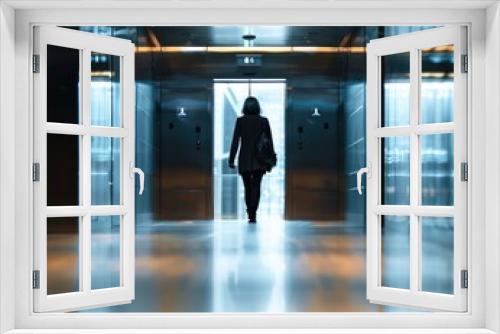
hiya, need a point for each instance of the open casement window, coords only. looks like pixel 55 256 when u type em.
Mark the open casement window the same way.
pixel 83 170
pixel 417 170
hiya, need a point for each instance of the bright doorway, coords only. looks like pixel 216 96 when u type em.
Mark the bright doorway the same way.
pixel 229 96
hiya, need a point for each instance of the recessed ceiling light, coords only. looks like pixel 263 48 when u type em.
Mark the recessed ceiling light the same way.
pixel 249 37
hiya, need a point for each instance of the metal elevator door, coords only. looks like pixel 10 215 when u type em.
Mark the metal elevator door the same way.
pixel 314 169
pixel 185 185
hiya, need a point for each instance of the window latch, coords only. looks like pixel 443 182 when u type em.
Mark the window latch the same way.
pixel 365 170
pixel 138 171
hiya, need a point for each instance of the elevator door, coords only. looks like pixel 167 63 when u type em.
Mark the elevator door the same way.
pixel 185 187
pixel 314 181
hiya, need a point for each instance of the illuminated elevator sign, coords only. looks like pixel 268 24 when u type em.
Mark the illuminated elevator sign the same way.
pixel 248 60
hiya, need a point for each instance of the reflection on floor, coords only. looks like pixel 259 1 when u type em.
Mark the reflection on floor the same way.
pixel 232 266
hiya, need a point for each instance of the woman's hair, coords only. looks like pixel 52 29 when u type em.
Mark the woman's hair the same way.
pixel 251 106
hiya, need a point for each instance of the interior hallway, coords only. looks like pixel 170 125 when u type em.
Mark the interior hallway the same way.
pixel 232 266
pixel 201 265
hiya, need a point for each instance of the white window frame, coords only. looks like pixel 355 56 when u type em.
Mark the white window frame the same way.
pixel 85 43
pixel 412 44
pixel 484 46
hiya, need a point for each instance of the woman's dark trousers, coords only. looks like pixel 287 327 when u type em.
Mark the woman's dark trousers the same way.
pixel 252 181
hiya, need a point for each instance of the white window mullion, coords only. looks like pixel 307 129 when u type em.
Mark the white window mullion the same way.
pixel 421 129
pixel 414 170
pixel 127 255
pixel 435 128
pixel 78 129
pixel 419 210
pixel 414 253
pixel 373 262
pixel 85 256
pixel 125 164
pixel 73 129
pixel 81 250
pixel 376 252
pixel 86 174
pixel 433 211
pixel 66 129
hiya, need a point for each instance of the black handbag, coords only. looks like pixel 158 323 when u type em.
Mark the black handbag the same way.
pixel 264 152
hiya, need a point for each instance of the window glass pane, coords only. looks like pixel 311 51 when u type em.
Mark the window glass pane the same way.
pixel 62 255
pixel 106 90
pixel 437 254
pixel 437 169
pixel 396 251
pixel 63 85
pixel 436 91
pixel 396 171
pixel 105 170
pixel 105 252
pixel 396 89
pixel 63 166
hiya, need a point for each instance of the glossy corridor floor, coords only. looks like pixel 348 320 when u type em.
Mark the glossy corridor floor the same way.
pixel 232 266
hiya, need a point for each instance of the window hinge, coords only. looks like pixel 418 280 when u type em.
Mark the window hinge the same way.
pixel 36 279
pixel 464 171
pixel 465 63
pixel 36 172
pixel 464 279
pixel 36 63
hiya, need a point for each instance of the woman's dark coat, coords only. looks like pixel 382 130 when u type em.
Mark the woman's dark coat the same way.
pixel 246 130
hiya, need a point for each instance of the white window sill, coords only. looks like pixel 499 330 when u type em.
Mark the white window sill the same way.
pixel 253 331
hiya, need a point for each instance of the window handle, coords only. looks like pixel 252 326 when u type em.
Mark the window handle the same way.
pixel 365 170
pixel 138 171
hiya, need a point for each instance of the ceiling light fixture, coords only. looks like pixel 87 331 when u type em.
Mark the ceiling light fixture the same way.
pixel 248 39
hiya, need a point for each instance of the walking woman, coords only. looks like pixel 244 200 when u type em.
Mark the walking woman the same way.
pixel 256 156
